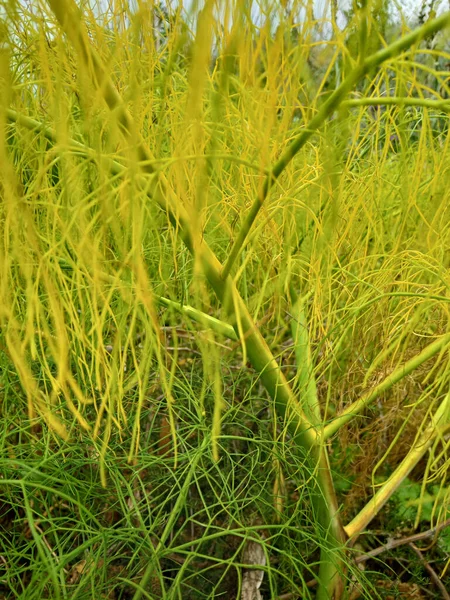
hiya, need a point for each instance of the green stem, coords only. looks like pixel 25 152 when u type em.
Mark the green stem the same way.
pixel 324 498
pixel 333 536
pixel 13 116
pixel 305 378
pixel 214 324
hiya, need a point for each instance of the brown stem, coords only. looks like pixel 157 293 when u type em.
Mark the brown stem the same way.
pixel 434 576
pixel 411 539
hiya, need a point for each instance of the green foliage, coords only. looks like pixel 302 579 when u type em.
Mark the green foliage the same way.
pixel 411 503
pixel 169 189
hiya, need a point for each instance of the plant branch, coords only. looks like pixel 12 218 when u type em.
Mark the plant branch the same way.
pixel 325 111
pixel 214 324
pixel 367 399
pixel 434 576
pixel 411 539
pixel 418 450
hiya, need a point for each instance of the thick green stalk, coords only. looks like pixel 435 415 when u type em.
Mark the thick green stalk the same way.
pixel 367 399
pixel 116 167
pixel 212 323
pixel 48 132
pixel 325 111
pixel 305 379
pixel 330 571
pixel 220 327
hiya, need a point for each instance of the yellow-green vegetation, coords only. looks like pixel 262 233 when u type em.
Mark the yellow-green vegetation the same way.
pixel 224 295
